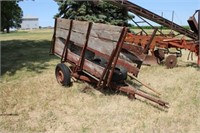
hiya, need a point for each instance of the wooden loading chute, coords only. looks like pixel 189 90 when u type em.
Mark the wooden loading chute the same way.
pixel 96 53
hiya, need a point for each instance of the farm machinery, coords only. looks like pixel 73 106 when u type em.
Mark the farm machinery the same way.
pixel 159 46
pixel 97 54
pixel 105 55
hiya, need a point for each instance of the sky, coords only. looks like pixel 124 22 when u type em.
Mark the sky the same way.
pixel 183 9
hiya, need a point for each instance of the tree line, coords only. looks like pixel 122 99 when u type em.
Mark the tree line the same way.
pixel 159 27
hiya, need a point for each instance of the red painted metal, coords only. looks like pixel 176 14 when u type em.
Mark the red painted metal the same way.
pixel 108 71
pixel 142 12
pixel 154 41
pixel 82 56
pixel 84 78
pixel 64 54
pixel 116 55
pixel 130 90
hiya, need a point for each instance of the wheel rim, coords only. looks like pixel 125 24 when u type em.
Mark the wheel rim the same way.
pixel 171 61
pixel 60 76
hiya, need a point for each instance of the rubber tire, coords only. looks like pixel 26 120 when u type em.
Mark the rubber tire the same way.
pixel 120 73
pixel 63 71
pixel 89 55
pixel 100 61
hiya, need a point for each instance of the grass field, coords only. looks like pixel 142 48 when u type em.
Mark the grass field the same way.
pixel 32 101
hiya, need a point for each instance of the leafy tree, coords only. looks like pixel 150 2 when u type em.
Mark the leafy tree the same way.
pixel 100 12
pixel 11 15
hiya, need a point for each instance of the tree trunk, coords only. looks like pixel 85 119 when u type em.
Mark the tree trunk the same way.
pixel 8 30
pixel 2 30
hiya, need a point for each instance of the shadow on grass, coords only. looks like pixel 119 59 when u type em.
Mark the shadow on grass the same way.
pixel 194 65
pixel 24 54
pixel 184 64
pixel 111 91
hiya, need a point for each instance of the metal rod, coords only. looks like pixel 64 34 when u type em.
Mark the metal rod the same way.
pixel 150 41
pixel 131 90
pixel 82 56
pixel 172 21
pixel 64 54
pixel 140 27
pixel 111 58
pixel 118 49
pixel 154 17
pixel 161 27
pixel 53 38
pixel 144 84
pixel 150 25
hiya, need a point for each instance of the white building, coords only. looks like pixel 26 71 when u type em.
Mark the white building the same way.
pixel 30 22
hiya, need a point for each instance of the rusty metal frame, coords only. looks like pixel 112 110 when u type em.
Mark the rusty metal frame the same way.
pixel 79 62
pixel 64 54
pixel 108 71
pixel 147 46
pixel 154 17
pixel 132 92
pixel 116 56
pixel 53 38
pixel 144 13
pixel 82 55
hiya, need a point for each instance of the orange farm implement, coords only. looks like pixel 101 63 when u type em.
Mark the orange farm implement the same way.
pixel 159 45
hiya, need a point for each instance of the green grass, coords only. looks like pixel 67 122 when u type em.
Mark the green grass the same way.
pixel 32 101
pixel 25 53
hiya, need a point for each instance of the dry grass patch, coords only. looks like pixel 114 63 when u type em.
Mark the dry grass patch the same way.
pixel 32 101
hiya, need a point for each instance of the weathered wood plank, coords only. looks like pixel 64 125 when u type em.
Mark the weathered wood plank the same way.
pixel 101 45
pixel 63 33
pixel 92 68
pixel 89 66
pixel 107 32
pixel 80 26
pixel 78 38
pixel 59 46
pixel 73 57
pixel 63 23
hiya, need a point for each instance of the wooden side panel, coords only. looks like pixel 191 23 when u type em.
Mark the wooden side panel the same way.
pixel 89 66
pixel 59 46
pixel 104 38
pixel 79 31
pixel 101 45
pixel 78 38
pixel 80 26
pixel 63 33
pixel 107 32
pixel 63 23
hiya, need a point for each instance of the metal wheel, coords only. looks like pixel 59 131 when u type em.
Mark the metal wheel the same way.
pixel 63 75
pixel 171 61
